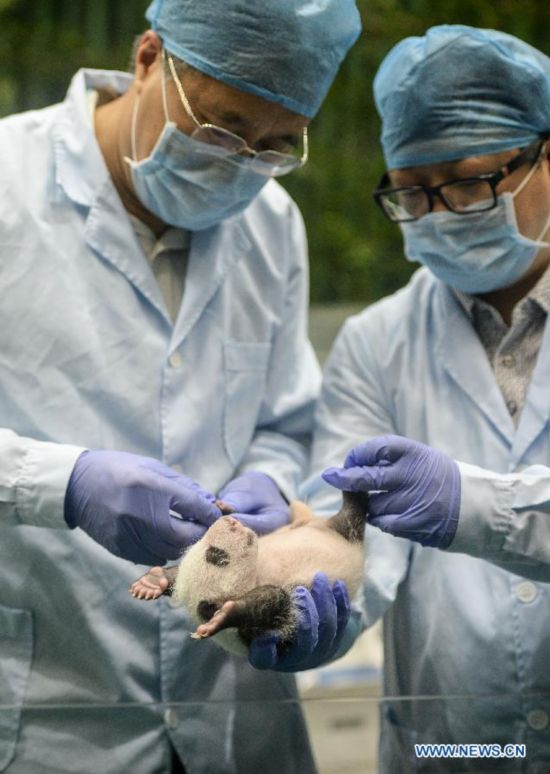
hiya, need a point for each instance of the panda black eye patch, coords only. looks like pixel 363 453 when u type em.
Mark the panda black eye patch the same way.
pixel 217 556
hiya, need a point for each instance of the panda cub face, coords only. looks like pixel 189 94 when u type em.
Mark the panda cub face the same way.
pixel 224 561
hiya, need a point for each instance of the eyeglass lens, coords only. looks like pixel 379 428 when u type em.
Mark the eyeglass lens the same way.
pixel 216 135
pixel 460 196
pixel 268 162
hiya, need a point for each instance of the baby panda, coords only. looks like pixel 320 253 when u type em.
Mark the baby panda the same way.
pixel 237 585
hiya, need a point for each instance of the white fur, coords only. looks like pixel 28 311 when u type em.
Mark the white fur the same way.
pixel 288 557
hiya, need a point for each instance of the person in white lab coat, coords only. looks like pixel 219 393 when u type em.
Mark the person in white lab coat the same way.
pixel 455 367
pixel 153 355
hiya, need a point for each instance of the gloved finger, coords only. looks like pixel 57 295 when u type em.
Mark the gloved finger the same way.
pixel 366 479
pixel 307 633
pixel 389 522
pixel 179 478
pixel 192 506
pixel 380 450
pixel 323 598
pixel 165 539
pixel 262 653
pixel 186 533
pixel 127 544
pixel 356 479
pixel 382 504
pixel 242 502
pixel 182 480
pixel 262 523
pixel 343 611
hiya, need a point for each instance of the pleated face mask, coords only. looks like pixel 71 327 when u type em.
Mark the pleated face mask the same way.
pixel 478 252
pixel 188 183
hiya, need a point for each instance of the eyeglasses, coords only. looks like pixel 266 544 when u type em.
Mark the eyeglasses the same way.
pixel 271 163
pixel 463 196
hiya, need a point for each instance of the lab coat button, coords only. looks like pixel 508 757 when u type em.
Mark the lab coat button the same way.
pixel 171 718
pixel 537 719
pixel 512 406
pixel 526 591
pixel 175 360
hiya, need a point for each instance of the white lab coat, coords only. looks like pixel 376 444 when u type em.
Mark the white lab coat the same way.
pixel 455 626
pixel 90 358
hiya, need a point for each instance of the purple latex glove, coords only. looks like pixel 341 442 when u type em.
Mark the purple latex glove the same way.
pixel 417 488
pixel 257 502
pixel 123 501
pixel 325 630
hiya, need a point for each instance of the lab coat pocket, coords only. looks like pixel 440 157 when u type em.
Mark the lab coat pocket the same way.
pixel 245 377
pixel 15 664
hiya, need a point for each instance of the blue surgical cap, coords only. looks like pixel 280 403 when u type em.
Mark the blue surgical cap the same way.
pixel 286 51
pixel 459 91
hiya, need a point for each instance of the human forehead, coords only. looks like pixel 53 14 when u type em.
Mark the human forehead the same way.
pixel 432 174
pixel 216 102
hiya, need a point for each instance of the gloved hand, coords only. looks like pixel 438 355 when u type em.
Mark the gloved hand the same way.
pixel 123 501
pixel 417 488
pixel 325 630
pixel 257 502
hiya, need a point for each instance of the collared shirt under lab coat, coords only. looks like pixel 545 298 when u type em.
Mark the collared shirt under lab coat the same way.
pixel 454 625
pixel 90 358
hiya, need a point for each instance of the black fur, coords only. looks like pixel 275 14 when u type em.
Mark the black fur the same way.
pixel 206 609
pixel 351 518
pixel 217 556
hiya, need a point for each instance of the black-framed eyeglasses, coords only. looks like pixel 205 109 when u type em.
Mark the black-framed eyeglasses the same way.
pixel 463 196
pixel 271 163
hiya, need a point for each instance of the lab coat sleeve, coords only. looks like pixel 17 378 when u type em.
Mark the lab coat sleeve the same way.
pixel 33 480
pixel 283 433
pixel 355 405
pixel 505 519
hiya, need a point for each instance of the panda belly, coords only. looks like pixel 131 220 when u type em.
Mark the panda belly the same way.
pixel 291 557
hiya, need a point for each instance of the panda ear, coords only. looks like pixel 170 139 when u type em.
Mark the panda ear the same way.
pixel 206 609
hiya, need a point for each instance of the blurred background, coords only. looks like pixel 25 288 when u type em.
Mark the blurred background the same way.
pixel 356 256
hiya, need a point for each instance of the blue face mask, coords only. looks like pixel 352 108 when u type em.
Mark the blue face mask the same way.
pixel 475 253
pixel 188 183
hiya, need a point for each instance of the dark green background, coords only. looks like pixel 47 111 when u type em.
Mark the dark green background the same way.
pixel 355 254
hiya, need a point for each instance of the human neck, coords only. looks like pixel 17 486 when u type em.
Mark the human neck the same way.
pixel 112 129
pixel 505 299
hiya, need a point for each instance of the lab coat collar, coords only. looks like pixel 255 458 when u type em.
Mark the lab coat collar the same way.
pixel 459 348
pixel 536 412
pixel 214 252
pixel 82 173
pixel 80 169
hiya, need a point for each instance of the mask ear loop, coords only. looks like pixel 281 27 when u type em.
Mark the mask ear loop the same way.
pixel 133 129
pixel 527 177
pixel 522 185
pixel 545 156
pixel 133 122
pixel 163 87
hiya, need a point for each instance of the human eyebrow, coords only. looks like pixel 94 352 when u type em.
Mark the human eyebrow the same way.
pixel 234 119
pixel 242 126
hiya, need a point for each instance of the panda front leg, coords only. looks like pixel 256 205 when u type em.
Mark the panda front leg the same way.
pixel 261 610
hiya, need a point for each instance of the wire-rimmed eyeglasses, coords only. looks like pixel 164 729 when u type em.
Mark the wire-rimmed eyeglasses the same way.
pixel 271 163
pixel 463 196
